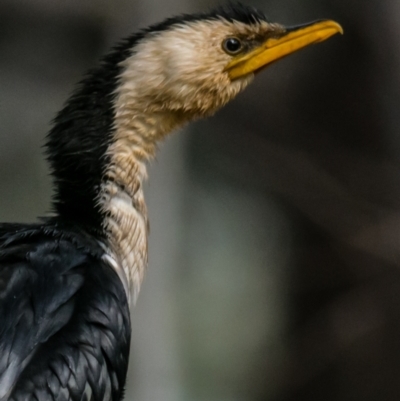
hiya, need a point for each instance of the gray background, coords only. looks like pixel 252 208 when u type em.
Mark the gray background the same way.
pixel 274 246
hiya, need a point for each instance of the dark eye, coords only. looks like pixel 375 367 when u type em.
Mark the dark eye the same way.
pixel 232 45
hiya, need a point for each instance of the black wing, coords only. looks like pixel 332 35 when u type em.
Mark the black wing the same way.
pixel 64 319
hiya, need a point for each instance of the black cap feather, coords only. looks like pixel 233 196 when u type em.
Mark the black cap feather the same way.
pixel 230 12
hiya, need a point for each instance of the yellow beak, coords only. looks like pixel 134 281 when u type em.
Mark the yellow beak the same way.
pixel 276 48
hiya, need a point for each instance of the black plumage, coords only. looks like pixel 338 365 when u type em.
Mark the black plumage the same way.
pixel 65 327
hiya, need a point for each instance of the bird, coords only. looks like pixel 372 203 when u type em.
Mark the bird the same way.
pixel 69 280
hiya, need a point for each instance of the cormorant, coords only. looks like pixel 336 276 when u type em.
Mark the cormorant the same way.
pixel 66 282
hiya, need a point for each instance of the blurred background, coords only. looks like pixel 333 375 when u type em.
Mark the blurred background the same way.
pixel 275 225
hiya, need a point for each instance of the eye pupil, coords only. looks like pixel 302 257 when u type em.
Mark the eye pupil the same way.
pixel 232 45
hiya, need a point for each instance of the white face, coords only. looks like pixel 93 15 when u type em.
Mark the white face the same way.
pixel 182 69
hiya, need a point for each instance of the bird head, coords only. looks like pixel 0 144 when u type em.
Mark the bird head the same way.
pixel 193 65
pixel 151 83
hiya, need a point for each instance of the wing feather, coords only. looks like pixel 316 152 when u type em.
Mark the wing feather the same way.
pixel 65 328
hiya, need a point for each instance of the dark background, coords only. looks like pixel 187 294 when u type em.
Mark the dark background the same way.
pixel 274 249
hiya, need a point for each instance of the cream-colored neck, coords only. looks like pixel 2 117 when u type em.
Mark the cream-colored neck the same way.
pixel 122 200
pixel 164 84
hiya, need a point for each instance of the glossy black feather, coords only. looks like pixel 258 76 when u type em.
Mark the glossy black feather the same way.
pixel 64 316
pixel 230 12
